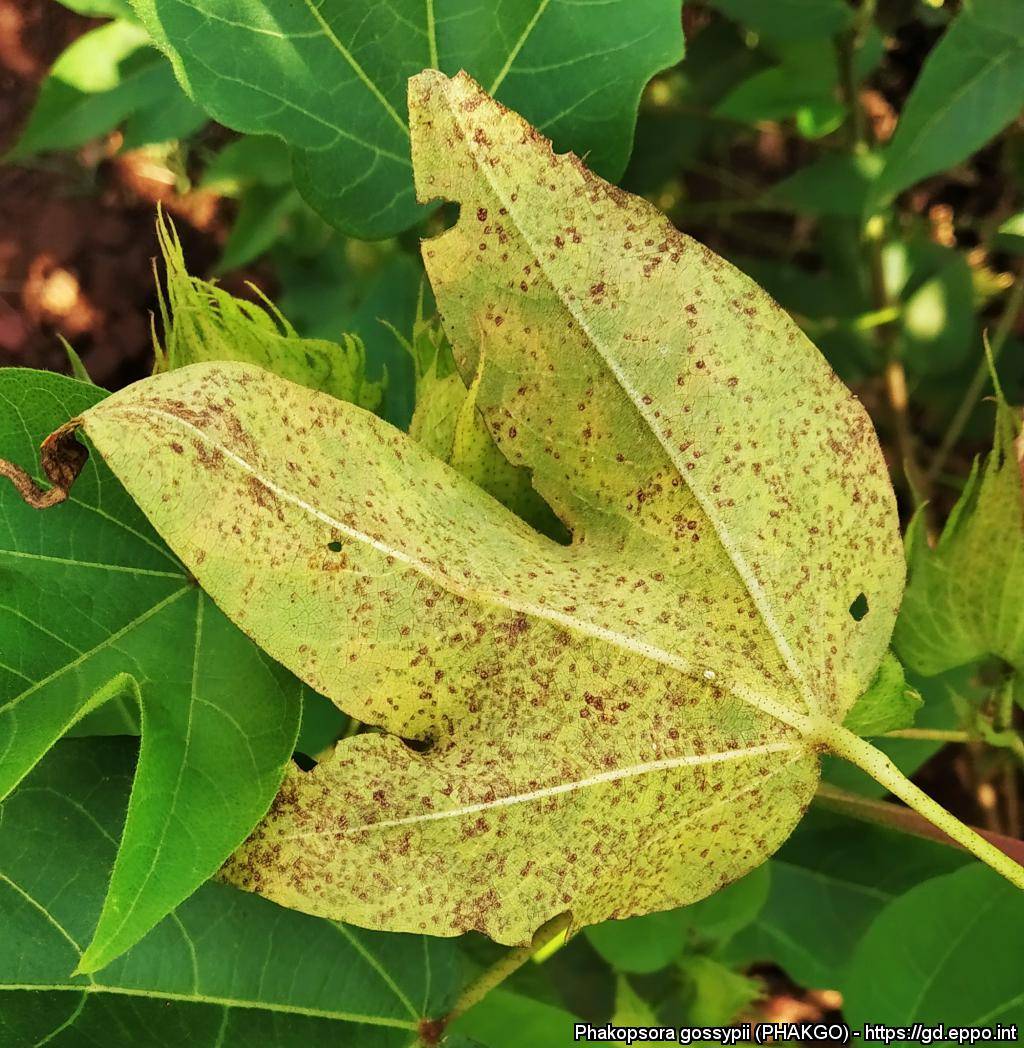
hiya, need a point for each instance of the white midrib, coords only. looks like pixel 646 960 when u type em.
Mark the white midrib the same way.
pixel 688 760
pixel 739 562
pixel 763 703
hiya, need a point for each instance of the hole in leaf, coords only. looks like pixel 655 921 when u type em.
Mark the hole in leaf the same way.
pixel 446 216
pixel 334 547
pixel 419 745
pixel 545 521
pixel 859 607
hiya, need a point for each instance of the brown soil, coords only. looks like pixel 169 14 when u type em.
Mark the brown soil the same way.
pixel 76 231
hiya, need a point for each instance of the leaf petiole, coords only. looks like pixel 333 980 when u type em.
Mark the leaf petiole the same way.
pixel 494 976
pixel 871 760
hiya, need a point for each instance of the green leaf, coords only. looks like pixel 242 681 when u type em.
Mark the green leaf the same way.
pixel 256 170
pixel 806 76
pixel 789 19
pixel 1011 234
pixel 509 1020
pixel 322 725
pixel 446 422
pixel 651 943
pixel 264 215
pixel 720 916
pixel 99 8
pixel 828 884
pixel 888 704
pixel 674 132
pixel 346 285
pixel 96 609
pixel 249 160
pixel 963 599
pixel 971 87
pixel 714 994
pixel 948 950
pixel 103 78
pixel 78 369
pixel 168 119
pixel 619 726
pixel 641 944
pixel 834 184
pixel 630 1008
pixel 936 288
pixel 329 79
pixel 225 968
pixel 203 322
pixel 819 117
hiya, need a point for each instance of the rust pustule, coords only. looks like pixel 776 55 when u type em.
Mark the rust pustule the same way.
pixel 62 458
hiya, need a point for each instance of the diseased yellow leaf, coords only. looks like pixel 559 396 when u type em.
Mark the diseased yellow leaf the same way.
pixel 654 389
pixel 582 759
pixel 616 726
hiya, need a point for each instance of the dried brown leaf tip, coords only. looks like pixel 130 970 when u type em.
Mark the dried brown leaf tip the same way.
pixel 61 457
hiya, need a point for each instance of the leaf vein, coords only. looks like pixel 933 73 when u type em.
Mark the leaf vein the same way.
pixel 743 569
pixel 761 702
pixel 375 964
pixel 633 771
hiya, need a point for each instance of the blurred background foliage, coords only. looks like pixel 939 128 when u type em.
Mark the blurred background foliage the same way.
pixel 864 163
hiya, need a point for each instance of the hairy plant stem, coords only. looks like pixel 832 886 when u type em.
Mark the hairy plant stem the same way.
pixel 871 760
pixel 1007 321
pixel 494 976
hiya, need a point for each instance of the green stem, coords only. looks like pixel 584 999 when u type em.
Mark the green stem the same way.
pixel 1008 739
pixel 861 753
pixel 928 735
pixel 873 238
pixel 1004 738
pixel 848 44
pixel 494 976
pixel 876 318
